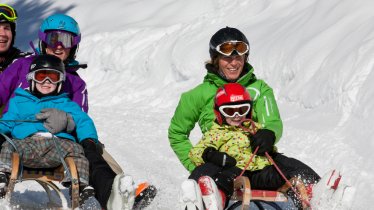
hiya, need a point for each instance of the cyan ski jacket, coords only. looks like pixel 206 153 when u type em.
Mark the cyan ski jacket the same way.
pixel 24 106
pixel 196 106
pixel 15 76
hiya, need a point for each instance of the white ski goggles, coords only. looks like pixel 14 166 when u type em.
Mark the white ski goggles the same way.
pixel 232 110
pixel 42 75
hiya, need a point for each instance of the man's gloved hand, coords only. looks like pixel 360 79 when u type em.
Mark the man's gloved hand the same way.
pixel 90 145
pixel 264 139
pixel 56 121
pixel 222 159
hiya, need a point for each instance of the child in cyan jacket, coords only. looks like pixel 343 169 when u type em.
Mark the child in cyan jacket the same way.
pixel 24 122
pixel 225 150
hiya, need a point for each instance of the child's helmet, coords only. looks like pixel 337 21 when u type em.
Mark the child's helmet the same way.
pixel 46 62
pixel 231 94
pixel 60 22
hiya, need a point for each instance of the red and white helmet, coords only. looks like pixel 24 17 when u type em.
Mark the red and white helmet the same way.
pixel 231 94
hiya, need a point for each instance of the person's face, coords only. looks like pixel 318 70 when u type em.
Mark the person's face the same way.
pixel 234 121
pixel 46 87
pixel 60 51
pixel 231 66
pixel 6 37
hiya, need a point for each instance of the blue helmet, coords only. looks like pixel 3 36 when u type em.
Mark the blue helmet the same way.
pixel 60 22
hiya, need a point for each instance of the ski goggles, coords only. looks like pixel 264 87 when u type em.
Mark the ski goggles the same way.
pixel 232 110
pixel 42 75
pixel 8 12
pixel 55 38
pixel 227 48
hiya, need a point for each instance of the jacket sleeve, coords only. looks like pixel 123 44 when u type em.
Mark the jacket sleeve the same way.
pixel 211 138
pixel 267 112
pixel 84 125
pixel 80 95
pixel 8 81
pixel 6 127
pixel 185 117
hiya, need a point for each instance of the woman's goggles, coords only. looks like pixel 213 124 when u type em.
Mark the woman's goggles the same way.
pixel 227 48
pixel 42 75
pixel 8 12
pixel 55 38
pixel 232 110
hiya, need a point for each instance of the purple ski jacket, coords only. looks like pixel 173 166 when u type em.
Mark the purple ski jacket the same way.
pixel 15 76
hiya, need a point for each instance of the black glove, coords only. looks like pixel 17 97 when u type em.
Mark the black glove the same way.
pixel 56 121
pixel 89 145
pixel 264 139
pixel 222 159
pixel 225 179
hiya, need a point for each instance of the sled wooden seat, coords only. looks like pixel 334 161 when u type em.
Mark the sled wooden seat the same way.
pixel 244 193
pixel 45 177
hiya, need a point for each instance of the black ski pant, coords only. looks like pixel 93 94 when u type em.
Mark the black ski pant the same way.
pixel 269 178
pixel 101 176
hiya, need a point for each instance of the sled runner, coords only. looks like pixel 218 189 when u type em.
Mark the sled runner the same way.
pixel 45 178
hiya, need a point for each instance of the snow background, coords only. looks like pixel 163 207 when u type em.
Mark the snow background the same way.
pixel 317 55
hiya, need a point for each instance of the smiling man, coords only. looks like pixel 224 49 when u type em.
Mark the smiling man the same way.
pixel 8 53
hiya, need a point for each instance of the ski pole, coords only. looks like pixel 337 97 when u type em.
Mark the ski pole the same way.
pixel 285 179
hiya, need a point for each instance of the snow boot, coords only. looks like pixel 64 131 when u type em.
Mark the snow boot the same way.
pixel 85 192
pixel 212 197
pixel 4 181
pixel 123 193
pixel 144 195
pixel 87 198
pixel 191 195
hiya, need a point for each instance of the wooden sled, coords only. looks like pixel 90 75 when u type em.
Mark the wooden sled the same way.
pixel 45 178
pixel 244 193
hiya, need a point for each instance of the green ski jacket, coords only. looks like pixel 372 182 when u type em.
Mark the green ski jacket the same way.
pixel 196 106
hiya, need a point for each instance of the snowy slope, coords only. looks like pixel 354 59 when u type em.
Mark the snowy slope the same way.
pixel 317 55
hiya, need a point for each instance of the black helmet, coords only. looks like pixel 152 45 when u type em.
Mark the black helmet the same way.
pixel 225 35
pixel 46 62
pixel 9 15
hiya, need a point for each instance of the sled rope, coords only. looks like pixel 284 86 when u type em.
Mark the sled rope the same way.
pixel 252 131
pixel 287 181
pixel 10 141
pixel 252 127
pixel 249 162
pixel 19 120
pixel 68 174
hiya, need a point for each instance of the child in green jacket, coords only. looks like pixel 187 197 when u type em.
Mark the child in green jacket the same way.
pixel 226 149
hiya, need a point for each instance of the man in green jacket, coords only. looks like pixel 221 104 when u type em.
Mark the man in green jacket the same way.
pixel 229 50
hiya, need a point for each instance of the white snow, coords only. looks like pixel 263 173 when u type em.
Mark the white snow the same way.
pixel 316 54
